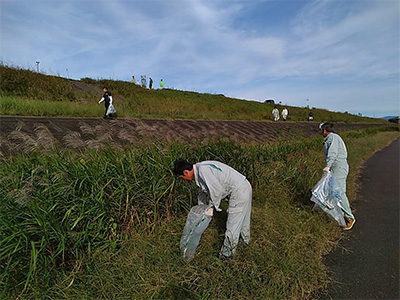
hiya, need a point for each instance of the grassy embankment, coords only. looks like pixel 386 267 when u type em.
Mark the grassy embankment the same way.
pixel 106 224
pixel 28 93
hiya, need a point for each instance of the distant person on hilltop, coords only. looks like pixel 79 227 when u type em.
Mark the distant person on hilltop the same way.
pixel 107 98
pixel 134 79
pixel 285 114
pixel 150 83
pixel 161 84
pixel 310 116
pixel 275 113
pixel 143 77
pixel 336 162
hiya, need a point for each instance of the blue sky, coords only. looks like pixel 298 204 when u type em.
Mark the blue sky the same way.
pixel 341 55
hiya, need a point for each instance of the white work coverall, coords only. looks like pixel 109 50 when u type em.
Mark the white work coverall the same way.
pixel 275 112
pixel 336 159
pixel 220 181
pixel 284 113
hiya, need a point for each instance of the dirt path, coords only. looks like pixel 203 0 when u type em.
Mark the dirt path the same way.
pixel 366 266
pixel 24 134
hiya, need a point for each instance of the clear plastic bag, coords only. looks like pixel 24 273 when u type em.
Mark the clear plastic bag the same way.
pixel 327 196
pixel 111 110
pixel 196 223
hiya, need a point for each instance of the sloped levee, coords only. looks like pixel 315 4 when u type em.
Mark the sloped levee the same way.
pixel 25 134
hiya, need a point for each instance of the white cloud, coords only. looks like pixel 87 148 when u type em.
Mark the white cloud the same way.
pixel 198 45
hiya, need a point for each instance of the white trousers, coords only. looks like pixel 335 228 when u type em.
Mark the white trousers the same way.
pixel 238 223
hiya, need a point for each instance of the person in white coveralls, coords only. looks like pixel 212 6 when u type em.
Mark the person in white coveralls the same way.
pixel 285 114
pixel 336 162
pixel 219 181
pixel 275 113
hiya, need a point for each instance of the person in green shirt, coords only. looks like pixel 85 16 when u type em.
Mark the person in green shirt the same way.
pixel 161 84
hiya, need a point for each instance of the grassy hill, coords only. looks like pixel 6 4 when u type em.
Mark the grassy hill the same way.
pixel 24 92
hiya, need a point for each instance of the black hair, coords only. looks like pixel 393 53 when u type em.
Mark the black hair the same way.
pixel 182 165
pixel 328 127
pixel 105 88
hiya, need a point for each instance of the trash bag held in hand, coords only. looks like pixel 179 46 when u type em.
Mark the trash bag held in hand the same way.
pixel 196 223
pixel 111 110
pixel 327 196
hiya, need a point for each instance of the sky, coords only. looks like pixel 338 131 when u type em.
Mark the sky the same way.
pixel 341 55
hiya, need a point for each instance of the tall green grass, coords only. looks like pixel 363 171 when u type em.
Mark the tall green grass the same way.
pixel 103 224
pixel 23 107
pixel 28 93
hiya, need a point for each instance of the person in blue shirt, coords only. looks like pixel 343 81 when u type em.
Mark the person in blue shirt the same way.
pixel 218 181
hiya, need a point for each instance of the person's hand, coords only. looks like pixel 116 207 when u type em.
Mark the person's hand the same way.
pixel 209 212
pixel 327 170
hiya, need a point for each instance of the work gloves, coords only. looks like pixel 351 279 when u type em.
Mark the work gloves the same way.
pixel 209 212
pixel 327 170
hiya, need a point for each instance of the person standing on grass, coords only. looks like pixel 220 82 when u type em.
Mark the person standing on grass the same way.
pixel 161 84
pixel 107 98
pixel 275 113
pixel 336 162
pixel 143 79
pixel 285 114
pixel 134 79
pixel 150 83
pixel 219 181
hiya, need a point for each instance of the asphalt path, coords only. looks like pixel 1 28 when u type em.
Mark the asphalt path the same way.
pixel 366 263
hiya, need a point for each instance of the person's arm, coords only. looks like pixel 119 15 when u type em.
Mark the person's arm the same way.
pixel 110 97
pixel 332 152
pixel 101 100
pixel 202 198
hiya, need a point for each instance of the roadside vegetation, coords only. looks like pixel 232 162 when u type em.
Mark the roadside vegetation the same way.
pixel 106 223
pixel 28 93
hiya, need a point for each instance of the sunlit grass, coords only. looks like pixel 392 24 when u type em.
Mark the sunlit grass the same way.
pixel 103 224
pixel 29 93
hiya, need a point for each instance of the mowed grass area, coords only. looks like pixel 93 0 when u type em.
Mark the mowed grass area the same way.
pixel 106 224
pixel 27 93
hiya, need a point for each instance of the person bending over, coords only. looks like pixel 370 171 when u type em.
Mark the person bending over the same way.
pixel 219 181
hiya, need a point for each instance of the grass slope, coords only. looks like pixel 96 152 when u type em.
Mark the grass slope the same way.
pixel 106 224
pixel 24 92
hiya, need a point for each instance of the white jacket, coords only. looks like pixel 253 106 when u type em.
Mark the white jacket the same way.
pixel 216 180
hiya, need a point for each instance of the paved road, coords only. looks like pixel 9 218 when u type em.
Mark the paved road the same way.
pixel 367 264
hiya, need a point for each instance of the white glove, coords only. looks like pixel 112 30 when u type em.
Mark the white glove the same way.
pixel 209 212
pixel 327 170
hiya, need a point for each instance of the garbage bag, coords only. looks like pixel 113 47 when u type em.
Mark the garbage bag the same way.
pixel 196 223
pixel 111 110
pixel 327 196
